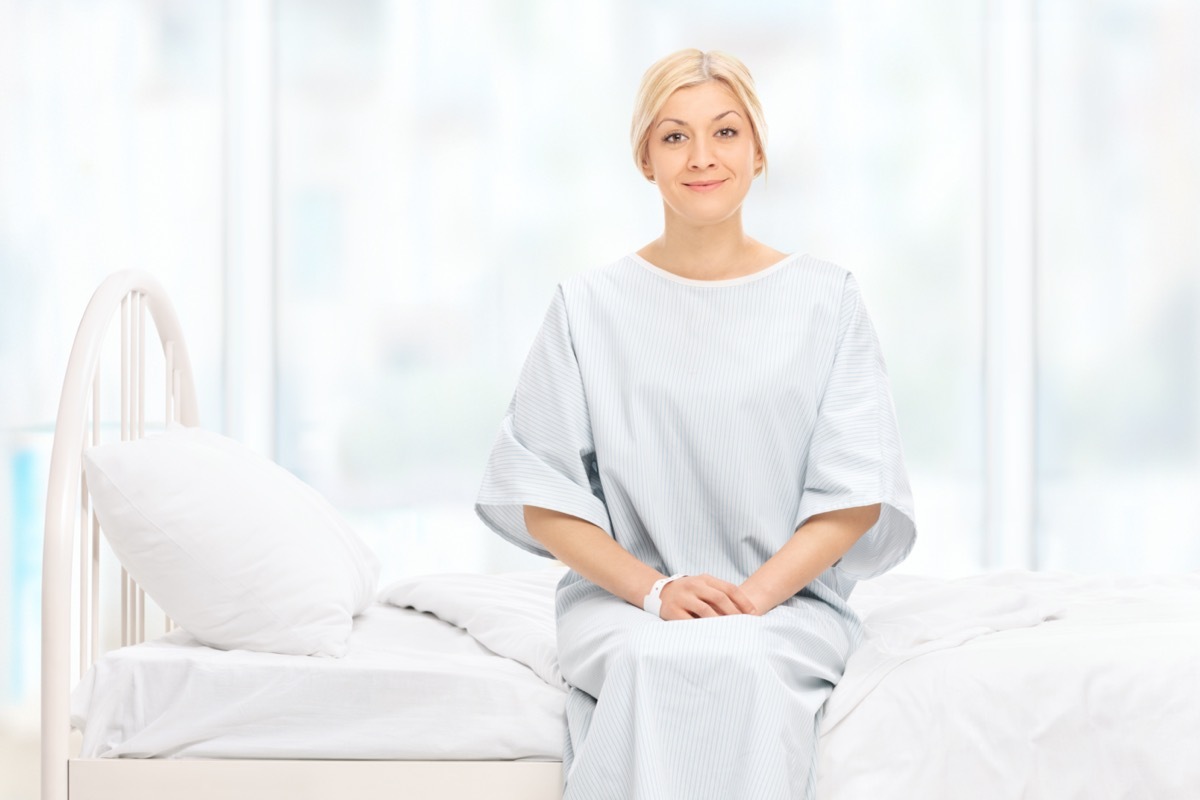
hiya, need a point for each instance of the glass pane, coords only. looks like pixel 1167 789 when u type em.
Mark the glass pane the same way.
pixel 1119 251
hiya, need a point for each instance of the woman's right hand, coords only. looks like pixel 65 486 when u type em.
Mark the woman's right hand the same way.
pixel 697 596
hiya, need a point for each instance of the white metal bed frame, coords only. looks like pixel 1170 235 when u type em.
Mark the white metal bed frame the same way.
pixel 130 294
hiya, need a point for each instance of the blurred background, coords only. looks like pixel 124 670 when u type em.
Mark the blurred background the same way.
pixel 361 210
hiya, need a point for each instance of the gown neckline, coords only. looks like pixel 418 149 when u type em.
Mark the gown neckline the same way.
pixel 720 281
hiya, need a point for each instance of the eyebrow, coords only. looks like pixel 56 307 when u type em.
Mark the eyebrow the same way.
pixel 681 122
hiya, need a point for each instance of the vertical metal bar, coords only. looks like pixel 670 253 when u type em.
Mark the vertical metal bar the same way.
pixel 126 631
pixel 141 371
pixel 125 368
pixel 135 361
pixel 95 565
pixel 132 610
pixel 168 390
pixel 131 589
pixel 137 389
pixel 84 515
pixel 124 607
pixel 169 416
pixel 95 648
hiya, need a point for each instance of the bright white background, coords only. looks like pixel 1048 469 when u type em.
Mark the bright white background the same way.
pixel 361 210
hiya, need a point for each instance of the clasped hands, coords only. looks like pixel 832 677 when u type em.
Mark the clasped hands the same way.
pixel 697 596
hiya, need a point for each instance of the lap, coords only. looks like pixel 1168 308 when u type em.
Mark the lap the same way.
pixel 798 644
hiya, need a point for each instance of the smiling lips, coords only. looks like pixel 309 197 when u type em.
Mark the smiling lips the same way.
pixel 703 186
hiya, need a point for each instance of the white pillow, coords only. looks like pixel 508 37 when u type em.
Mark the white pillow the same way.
pixel 234 548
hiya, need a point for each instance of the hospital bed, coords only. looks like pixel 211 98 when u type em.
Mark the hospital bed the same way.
pixel 1010 684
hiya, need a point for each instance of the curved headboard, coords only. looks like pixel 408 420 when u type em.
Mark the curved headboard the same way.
pixel 128 294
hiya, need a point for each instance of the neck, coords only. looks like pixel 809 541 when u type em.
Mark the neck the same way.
pixel 705 252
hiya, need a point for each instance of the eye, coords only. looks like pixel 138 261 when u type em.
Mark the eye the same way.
pixel 668 138
pixel 732 132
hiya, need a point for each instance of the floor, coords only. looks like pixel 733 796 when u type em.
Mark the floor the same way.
pixel 20 755
pixel 20 766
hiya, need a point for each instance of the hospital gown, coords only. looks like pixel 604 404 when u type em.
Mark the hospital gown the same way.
pixel 700 423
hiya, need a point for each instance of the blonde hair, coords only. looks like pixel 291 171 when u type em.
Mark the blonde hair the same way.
pixel 686 68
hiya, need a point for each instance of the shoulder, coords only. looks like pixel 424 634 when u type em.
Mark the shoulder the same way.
pixel 828 291
pixel 599 277
pixel 841 286
pixel 829 273
pixel 577 297
pixel 601 287
pixel 819 284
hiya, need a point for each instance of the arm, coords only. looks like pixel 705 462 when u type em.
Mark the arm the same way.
pixel 813 548
pixel 595 555
pixel 592 553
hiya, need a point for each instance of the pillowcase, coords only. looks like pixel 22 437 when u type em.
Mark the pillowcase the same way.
pixel 234 548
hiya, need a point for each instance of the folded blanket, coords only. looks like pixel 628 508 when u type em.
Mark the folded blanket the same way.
pixel 905 616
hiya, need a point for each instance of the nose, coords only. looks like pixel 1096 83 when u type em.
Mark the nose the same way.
pixel 700 155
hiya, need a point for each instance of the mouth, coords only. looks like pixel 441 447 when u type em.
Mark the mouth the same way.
pixel 704 186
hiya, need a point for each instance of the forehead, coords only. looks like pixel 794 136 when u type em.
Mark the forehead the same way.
pixel 700 103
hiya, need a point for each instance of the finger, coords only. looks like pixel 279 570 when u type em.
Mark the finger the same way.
pixel 736 595
pixel 701 609
pixel 742 600
pixel 718 600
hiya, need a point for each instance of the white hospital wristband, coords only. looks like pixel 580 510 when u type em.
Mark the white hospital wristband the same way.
pixel 652 601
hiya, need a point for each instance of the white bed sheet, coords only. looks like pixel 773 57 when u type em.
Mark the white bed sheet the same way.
pixel 1038 685
pixel 410 687
pixel 998 685
pixel 1101 701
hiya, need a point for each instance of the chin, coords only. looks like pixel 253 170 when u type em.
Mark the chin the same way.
pixel 705 216
pixel 710 206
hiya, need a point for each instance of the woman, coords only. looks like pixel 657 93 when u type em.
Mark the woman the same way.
pixel 704 433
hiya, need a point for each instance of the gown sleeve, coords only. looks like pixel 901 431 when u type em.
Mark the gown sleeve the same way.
pixel 543 454
pixel 855 457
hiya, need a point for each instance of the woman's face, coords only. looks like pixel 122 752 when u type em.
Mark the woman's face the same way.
pixel 702 153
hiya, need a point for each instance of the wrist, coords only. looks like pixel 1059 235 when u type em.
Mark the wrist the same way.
pixel 640 587
pixel 652 602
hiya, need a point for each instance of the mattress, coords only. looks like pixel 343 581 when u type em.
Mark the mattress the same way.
pixel 1039 685
pixel 409 687
pixel 1014 684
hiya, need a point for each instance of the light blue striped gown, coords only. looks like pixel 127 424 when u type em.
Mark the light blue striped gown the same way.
pixel 701 423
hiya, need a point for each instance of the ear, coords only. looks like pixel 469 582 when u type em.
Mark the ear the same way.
pixel 646 171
